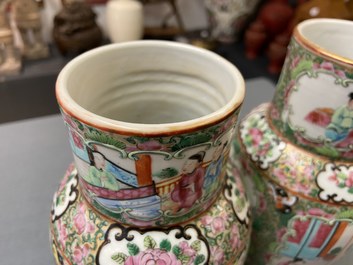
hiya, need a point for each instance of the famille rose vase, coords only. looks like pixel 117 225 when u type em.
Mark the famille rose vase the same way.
pixel 150 126
pixel 297 152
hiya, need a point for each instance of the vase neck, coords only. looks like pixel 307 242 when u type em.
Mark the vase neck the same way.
pixel 313 103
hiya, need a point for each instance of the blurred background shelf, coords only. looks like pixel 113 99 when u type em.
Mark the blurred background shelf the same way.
pixel 32 92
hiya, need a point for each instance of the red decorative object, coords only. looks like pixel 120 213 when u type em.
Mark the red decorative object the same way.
pixel 270 30
pixel 276 19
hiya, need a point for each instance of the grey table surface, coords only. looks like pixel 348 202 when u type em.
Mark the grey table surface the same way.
pixel 34 156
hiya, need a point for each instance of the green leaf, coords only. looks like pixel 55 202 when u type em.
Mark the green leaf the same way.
pixel 133 249
pixel 349 75
pixel 192 140
pixel 336 251
pixel 184 258
pixel 149 242
pixel 199 259
pixel 329 151
pixel 166 173
pixel 313 193
pixel 341 185
pixel 302 66
pixel 348 214
pixel 196 245
pixel 350 190
pixel 119 258
pixel 177 251
pixel 341 175
pixel 79 125
pixel 131 140
pixel 105 139
pixel 166 245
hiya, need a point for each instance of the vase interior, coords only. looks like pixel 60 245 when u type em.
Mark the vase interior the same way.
pixel 333 35
pixel 150 84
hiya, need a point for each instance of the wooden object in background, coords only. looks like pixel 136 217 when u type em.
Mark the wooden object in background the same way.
pixel 75 29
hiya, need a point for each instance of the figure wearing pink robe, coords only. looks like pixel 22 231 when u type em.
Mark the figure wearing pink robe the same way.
pixel 189 188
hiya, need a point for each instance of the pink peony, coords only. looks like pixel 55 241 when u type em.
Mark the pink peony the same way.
pixel 218 225
pixel 257 136
pixel 334 179
pixel 62 233
pixel 327 66
pixel 80 253
pixel 308 172
pixel 234 236
pixel 80 222
pixel 264 149
pixel 316 66
pixel 153 257
pixel 349 180
pixel 218 255
pixel 280 174
pixel 302 187
pixel 206 220
pixel 188 251
pixel 150 145
pixel 340 73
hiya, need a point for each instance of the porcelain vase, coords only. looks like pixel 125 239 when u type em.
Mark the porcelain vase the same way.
pixel 150 137
pixel 227 18
pixel 297 153
pixel 124 20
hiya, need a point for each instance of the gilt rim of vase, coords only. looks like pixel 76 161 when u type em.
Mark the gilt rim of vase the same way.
pixel 303 34
pixel 76 111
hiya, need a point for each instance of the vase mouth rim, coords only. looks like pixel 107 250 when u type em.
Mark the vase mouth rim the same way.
pixel 72 108
pixel 303 33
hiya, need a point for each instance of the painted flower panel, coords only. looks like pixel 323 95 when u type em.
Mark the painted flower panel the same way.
pixel 263 146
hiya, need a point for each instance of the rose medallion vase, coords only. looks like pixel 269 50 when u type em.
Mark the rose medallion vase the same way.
pixel 297 152
pixel 150 125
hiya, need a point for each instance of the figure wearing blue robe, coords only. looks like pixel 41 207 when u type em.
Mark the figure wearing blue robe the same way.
pixel 213 171
pixel 341 122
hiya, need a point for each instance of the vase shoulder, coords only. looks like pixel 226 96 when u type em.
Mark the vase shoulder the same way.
pixel 304 173
pixel 79 233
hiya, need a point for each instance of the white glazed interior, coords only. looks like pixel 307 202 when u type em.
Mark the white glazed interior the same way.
pixel 333 35
pixel 154 85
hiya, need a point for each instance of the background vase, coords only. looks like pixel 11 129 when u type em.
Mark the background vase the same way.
pixel 228 17
pixel 296 152
pixel 124 20
pixel 150 180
